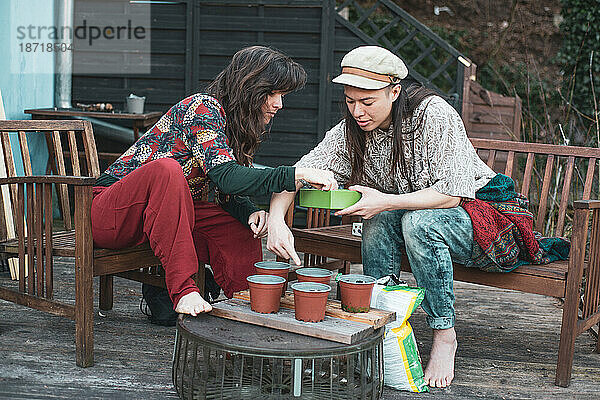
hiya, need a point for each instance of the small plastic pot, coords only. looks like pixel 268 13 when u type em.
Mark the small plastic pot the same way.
pixel 310 300
pixel 277 268
pixel 356 292
pixel 319 275
pixel 265 293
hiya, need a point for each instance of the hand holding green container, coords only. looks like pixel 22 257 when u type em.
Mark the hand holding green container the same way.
pixel 330 199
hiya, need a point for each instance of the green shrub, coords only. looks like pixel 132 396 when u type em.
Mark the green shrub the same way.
pixel 581 37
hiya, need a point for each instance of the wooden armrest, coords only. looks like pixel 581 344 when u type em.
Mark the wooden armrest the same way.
pixel 69 180
pixel 289 215
pixel 586 204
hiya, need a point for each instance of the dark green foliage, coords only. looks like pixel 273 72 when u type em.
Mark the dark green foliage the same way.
pixel 581 37
pixel 546 103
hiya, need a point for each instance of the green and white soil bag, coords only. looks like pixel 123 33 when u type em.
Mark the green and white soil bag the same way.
pixel 402 368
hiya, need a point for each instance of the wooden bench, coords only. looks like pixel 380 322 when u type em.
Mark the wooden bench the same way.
pixel 553 177
pixel 35 225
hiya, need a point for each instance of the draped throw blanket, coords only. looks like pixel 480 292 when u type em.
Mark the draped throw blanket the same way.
pixel 503 232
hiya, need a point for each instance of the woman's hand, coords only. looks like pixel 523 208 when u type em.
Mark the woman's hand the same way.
pixel 318 178
pixel 281 241
pixel 258 223
pixel 371 203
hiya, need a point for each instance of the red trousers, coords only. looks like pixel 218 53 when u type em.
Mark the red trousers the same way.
pixel 154 203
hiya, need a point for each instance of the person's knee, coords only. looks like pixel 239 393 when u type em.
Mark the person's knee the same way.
pixel 166 169
pixel 416 223
pixel 381 224
pixel 420 226
pixel 168 165
pixel 435 224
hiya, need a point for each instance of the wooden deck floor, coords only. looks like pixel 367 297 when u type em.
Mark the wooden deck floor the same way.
pixel 508 345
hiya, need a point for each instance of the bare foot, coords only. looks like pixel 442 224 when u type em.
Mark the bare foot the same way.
pixel 440 368
pixel 192 303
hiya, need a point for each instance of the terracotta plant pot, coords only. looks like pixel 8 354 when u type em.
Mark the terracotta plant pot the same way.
pixel 265 292
pixel 319 275
pixel 310 300
pixel 356 292
pixel 274 268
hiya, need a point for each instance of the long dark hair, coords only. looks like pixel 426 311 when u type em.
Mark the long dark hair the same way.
pixel 411 95
pixel 242 89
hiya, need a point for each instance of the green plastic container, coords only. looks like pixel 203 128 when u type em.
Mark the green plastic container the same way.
pixel 332 199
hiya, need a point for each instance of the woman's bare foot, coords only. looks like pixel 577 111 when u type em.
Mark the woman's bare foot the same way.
pixel 192 303
pixel 440 368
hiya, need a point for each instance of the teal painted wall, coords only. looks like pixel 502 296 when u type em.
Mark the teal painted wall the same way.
pixel 26 79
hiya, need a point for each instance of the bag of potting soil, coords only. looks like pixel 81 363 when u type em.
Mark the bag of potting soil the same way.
pixel 402 368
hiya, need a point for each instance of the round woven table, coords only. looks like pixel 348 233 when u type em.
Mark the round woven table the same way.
pixel 216 358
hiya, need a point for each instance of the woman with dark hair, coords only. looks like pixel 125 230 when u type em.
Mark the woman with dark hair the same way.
pixel 406 150
pixel 181 186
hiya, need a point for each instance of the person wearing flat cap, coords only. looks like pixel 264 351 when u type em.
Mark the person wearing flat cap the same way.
pixel 406 151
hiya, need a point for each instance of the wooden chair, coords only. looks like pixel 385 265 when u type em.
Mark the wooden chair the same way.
pixel 489 115
pixel 39 242
pixel 553 177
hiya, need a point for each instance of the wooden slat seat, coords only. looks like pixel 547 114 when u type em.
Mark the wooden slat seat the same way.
pixel 341 235
pixel 64 246
pixel 559 182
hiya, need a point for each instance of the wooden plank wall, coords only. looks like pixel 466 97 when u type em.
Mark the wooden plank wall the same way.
pixel 344 41
pixel 193 40
pixel 295 29
pixel 166 83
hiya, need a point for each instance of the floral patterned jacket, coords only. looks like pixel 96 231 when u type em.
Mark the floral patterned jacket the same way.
pixel 192 132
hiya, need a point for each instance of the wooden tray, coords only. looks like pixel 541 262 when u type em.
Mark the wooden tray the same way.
pixel 338 325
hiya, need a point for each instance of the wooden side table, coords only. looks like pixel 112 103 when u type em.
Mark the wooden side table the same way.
pixel 139 121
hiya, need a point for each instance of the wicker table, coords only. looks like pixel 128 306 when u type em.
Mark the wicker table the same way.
pixel 218 358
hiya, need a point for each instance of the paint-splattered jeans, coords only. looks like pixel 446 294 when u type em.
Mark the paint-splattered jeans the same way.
pixel 433 240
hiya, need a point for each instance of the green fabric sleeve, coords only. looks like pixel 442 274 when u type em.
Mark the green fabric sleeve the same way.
pixel 105 180
pixel 240 208
pixel 234 179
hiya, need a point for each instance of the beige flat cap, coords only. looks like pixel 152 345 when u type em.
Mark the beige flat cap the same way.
pixel 371 67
